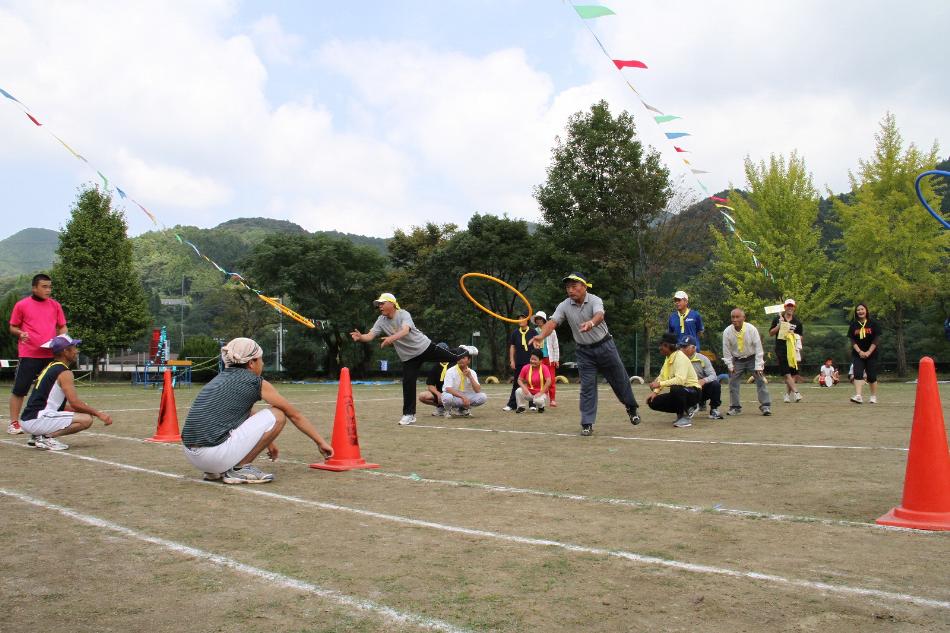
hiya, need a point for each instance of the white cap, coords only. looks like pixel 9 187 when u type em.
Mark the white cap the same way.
pixel 471 349
pixel 790 302
pixel 679 294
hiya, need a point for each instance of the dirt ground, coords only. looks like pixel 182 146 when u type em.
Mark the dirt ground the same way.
pixel 499 522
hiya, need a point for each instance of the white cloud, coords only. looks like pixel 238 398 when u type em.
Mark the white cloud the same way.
pixel 275 44
pixel 165 185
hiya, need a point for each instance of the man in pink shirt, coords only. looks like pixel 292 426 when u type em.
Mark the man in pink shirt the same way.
pixel 35 320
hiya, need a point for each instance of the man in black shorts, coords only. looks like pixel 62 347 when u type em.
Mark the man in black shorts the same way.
pixel 788 332
pixel 35 320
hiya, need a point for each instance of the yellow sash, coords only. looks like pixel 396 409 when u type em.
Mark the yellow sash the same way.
pixel 445 368
pixel 789 344
pixel 740 338
pixel 531 380
pixel 462 377
pixel 524 339
pixel 682 316
pixel 863 332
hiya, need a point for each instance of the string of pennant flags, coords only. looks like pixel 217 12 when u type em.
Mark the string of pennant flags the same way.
pixel 228 275
pixel 588 12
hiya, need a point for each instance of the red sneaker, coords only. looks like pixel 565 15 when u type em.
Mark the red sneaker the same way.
pixel 14 428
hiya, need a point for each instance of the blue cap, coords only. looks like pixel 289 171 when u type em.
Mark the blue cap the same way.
pixel 686 340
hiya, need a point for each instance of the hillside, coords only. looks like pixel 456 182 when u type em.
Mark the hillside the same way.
pixel 28 252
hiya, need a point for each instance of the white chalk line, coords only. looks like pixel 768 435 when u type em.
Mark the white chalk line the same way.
pixel 571 547
pixel 661 439
pixel 271 577
pixel 184 406
pixel 553 494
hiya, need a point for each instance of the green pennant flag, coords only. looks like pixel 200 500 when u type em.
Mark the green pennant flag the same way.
pixel 591 11
pixel 666 118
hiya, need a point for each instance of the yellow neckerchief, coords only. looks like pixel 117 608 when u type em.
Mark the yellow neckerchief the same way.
pixel 667 371
pixel 790 346
pixel 540 376
pixel 740 337
pixel 863 331
pixel 39 378
pixel 682 316
pixel 445 368
pixel 524 339
pixel 462 377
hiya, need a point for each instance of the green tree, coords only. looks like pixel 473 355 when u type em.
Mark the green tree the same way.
pixel 8 342
pixel 777 219
pixel 95 280
pixel 603 191
pixel 895 255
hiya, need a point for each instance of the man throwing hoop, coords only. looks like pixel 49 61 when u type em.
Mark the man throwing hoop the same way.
pixel 596 351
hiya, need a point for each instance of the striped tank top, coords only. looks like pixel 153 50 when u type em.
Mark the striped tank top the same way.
pixel 221 406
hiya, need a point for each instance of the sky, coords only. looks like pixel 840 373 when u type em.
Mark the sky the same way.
pixel 374 116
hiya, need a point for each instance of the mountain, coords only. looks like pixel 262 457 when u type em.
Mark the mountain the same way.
pixel 28 252
pixel 254 230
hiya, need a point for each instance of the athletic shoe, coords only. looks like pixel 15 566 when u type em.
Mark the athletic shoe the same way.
pixel 533 408
pixel 14 428
pixel 407 420
pixel 507 408
pixel 46 443
pixel 872 400
pixel 692 411
pixel 734 411
pixel 540 409
pixel 464 413
pixel 765 409
pixel 32 440
pixel 634 417
pixel 213 476
pixel 248 474
pixel 587 429
pixel 857 399
pixel 798 396
pixel 439 412
pixel 715 415
pixel 519 410
pixel 683 423
pixel 786 398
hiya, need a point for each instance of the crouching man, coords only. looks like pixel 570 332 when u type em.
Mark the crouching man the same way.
pixel 461 390
pixel 534 382
pixel 54 408
pixel 221 437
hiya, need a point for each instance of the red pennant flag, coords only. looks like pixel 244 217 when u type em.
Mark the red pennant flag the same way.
pixel 718 199
pixel 628 63
pixel 680 149
pixel 32 118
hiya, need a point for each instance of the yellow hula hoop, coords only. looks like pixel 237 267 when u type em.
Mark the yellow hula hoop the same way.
pixel 497 281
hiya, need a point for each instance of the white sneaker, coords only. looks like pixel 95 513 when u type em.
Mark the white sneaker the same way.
pixel 533 408
pixel 683 423
pixel 407 419
pixel 14 428
pixel 857 399
pixel 46 443
pixel 507 408
pixel 786 398
pixel 439 412
pixel 872 400
pixel 798 396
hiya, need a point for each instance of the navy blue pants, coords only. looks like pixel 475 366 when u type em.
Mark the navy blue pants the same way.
pixel 603 359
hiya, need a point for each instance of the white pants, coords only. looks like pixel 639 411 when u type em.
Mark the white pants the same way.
pixel 47 422
pixel 226 455
pixel 540 399
pixel 476 399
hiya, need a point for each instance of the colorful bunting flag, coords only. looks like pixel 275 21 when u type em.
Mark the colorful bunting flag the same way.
pixel 628 63
pixel 591 11
pixel 33 118
pixel 9 96
pixel 681 150
pixel 698 171
pixel 718 199
pixel 665 118
pixel 672 135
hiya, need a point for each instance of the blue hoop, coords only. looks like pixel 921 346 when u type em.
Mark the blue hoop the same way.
pixel 920 195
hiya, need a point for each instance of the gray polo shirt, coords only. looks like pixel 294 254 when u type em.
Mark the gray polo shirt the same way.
pixel 575 314
pixel 409 346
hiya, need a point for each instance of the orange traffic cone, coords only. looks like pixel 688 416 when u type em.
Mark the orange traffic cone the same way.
pixel 346 444
pixel 926 502
pixel 167 415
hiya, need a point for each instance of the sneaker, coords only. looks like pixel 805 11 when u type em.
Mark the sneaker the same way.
pixel 765 409
pixel 540 409
pixel 46 443
pixel 507 408
pixel 439 412
pixel 533 408
pixel 249 474
pixel 213 476
pixel 683 423
pixel 692 411
pixel 634 417
pixel 587 429
pixel 14 428
pixel 798 396
pixel 407 419
pixel 872 400
pixel 519 410
pixel 734 411
pixel 786 398
pixel 32 440
pixel 465 413
pixel 857 399
pixel 715 415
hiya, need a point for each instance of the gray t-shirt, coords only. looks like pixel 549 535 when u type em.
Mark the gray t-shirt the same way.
pixel 575 314
pixel 409 346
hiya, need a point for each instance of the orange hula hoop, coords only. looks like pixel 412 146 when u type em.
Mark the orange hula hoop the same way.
pixel 497 281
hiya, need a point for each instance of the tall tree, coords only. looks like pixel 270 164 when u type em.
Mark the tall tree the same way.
pixel 778 219
pixel 603 191
pixel 895 254
pixel 8 342
pixel 95 280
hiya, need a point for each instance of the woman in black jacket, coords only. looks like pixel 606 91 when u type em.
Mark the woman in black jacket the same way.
pixel 865 335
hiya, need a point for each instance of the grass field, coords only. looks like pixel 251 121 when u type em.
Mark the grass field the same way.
pixel 500 522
